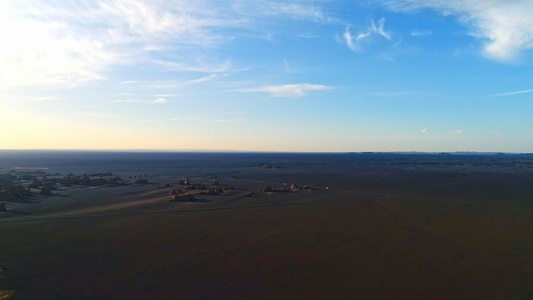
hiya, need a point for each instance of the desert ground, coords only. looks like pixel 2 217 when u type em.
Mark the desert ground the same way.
pixel 366 226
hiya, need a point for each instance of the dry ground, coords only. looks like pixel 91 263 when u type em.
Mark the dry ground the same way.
pixel 377 232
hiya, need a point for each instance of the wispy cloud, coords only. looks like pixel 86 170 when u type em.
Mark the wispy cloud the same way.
pixel 288 90
pixel 287 68
pixel 457 132
pixel 300 11
pixel 307 36
pixel 505 27
pixel 425 130
pixel 494 133
pixel 38 53
pixel 396 94
pixel 172 84
pixel 186 118
pixel 198 118
pixel 418 33
pixel 45 98
pixel 127 101
pixel 56 43
pixel 295 10
pixel 226 66
pixel 512 93
pixel 354 42
pixel 204 79
pixel 97 115
pixel 159 101
pixel 46 43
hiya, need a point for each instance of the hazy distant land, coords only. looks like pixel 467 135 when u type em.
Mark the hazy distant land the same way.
pixel 101 225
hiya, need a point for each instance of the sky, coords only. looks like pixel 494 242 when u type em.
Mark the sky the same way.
pixel 272 75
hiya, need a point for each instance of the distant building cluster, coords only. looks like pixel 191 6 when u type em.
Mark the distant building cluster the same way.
pixel 16 184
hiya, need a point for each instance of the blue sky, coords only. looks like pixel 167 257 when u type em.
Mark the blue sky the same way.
pixel 311 76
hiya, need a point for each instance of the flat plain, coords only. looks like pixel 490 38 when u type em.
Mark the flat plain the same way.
pixel 366 226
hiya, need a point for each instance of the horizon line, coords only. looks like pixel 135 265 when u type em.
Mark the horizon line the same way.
pixel 261 151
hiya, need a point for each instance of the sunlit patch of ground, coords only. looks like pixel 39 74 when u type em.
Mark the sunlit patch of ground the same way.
pixel 6 294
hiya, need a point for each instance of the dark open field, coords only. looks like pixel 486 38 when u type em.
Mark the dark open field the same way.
pixel 371 226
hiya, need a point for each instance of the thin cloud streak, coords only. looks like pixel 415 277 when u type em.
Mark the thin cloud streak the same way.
pixel 396 94
pixel 417 33
pixel 512 93
pixel 159 100
pixel 204 79
pixel 288 90
pixel 201 68
pixel 457 132
pixel 172 84
pixel 299 11
pixel 198 118
pixel 127 101
pixel 45 98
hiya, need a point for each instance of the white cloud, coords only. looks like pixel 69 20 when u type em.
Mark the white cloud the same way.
pixel 505 27
pixel 380 29
pixel 160 100
pixel 350 40
pixel 425 130
pixel 354 41
pixel 38 53
pixel 512 93
pixel 288 90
